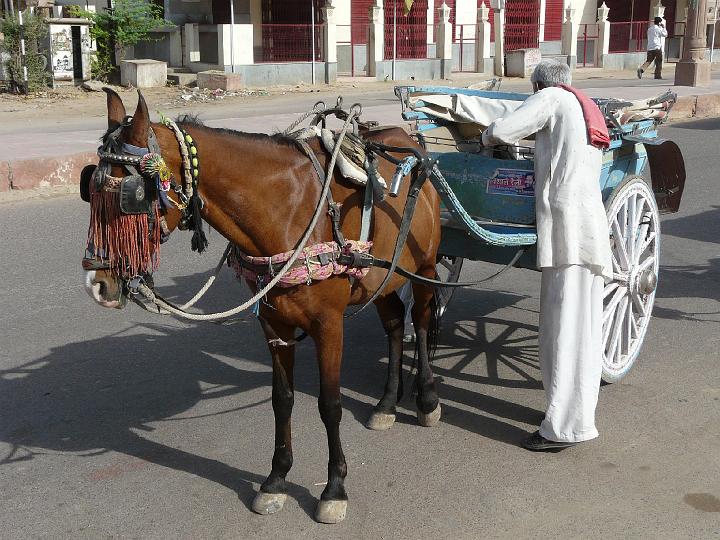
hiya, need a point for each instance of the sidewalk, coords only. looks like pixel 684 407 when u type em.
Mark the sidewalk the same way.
pixel 42 149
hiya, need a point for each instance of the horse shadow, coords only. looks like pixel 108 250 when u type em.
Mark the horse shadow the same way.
pixel 100 395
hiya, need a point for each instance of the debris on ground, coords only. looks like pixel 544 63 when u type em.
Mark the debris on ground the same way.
pixel 204 95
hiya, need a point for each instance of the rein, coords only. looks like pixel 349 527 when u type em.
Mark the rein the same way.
pixel 151 164
pixel 142 289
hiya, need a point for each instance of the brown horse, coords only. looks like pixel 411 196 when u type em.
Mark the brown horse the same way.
pixel 259 192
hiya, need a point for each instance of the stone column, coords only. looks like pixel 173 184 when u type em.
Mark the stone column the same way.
pixel 569 37
pixel 603 45
pixel 191 49
pixel 499 14
pixel 482 37
pixel 237 51
pixel 376 39
pixel 330 41
pixel 693 69
pixel 443 50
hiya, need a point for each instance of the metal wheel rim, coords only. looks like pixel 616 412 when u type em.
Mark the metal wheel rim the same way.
pixel 634 223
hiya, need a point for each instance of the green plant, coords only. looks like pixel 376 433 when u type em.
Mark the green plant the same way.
pixel 34 29
pixel 127 23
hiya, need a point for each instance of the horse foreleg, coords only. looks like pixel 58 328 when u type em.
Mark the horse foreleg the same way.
pixel 392 314
pixel 428 404
pixel 272 495
pixel 328 338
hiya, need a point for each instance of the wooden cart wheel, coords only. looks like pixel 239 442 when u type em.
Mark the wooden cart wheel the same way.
pixel 634 223
pixel 448 270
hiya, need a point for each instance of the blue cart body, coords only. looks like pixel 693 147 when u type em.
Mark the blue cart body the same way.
pixel 499 193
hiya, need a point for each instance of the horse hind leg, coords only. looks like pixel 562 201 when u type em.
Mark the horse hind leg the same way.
pixel 425 321
pixel 273 492
pixel 392 314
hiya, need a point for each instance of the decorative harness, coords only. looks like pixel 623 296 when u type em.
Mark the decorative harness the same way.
pixel 139 201
pixel 131 209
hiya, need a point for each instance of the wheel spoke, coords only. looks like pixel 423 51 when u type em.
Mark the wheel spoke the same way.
pixel 627 327
pixel 646 263
pixel 644 240
pixel 620 244
pixel 639 304
pixel 609 288
pixel 630 230
pixel 617 330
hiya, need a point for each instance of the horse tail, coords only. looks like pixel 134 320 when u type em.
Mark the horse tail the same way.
pixel 434 327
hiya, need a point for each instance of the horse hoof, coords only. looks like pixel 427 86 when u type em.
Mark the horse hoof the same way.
pixel 268 503
pixel 430 419
pixel 380 421
pixel 330 511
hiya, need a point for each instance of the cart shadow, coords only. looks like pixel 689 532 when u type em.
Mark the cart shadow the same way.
pixel 477 349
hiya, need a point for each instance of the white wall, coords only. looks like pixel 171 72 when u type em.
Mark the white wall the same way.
pixel 343 15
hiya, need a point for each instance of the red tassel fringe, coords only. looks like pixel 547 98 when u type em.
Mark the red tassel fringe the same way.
pixel 122 240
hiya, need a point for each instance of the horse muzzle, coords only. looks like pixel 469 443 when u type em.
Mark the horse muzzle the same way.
pixel 105 289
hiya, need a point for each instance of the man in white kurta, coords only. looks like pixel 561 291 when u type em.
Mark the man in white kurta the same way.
pixel 573 252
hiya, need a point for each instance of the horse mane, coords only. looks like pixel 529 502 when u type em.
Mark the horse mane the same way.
pixel 277 138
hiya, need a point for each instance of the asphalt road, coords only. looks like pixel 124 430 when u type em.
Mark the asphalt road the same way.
pixel 49 133
pixel 120 424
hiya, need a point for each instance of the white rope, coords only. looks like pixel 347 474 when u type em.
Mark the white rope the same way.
pixel 149 295
pixel 210 281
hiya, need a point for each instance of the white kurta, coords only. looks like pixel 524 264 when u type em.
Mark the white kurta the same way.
pixel 571 223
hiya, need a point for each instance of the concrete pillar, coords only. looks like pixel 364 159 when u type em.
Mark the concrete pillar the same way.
pixel 693 69
pixel 499 14
pixel 603 45
pixel 191 49
pixel 376 40
pixel 256 21
pixel 482 37
pixel 330 41
pixel 570 29
pixel 242 38
pixel 176 50
pixel 443 49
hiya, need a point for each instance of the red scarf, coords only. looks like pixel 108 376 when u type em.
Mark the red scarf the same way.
pixel 598 135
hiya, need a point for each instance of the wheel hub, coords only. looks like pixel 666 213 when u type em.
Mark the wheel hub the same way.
pixel 644 282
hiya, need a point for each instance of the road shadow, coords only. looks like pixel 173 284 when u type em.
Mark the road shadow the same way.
pixel 702 227
pixel 100 395
pixel 710 124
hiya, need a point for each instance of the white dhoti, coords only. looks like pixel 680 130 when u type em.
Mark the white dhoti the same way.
pixel 570 344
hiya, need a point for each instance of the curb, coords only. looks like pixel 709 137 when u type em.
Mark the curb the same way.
pixel 25 174
pixel 700 106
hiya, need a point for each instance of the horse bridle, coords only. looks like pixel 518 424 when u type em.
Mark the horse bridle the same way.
pixel 146 184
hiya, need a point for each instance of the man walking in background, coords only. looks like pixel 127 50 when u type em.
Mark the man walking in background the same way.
pixel 656 35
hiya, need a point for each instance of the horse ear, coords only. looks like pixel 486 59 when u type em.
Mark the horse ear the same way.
pixel 115 107
pixel 140 127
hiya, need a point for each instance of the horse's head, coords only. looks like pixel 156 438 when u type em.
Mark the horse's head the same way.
pixel 131 210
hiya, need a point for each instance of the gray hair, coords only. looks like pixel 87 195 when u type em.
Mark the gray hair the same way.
pixel 551 73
